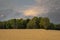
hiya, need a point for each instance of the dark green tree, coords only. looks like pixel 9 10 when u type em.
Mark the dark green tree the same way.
pixel 8 25
pixel 1 25
pixel 13 23
pixel 44 23
pixel 33 23
pixel 52 26
pixel 57 27
pixel 21 24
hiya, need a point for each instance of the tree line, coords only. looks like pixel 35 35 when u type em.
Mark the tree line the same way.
pixel 34 23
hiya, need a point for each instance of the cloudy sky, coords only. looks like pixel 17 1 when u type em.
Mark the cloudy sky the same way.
pixel 29 8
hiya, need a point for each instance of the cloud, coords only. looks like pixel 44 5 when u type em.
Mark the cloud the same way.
pixel 35 11
pixel 22 8
pixel 53 7
pixel 2 15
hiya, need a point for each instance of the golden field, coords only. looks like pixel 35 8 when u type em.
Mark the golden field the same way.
pixel 29 34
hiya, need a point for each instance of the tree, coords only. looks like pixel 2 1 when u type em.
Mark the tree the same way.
pixel 33 24
pixel 44 23
pixel 12 22
pixel 40 24
pixel 4 25
pixel 52 26
pixel 1 25
pixel 26 22
pixel 21 24
pixel 8 25
pixel 57 27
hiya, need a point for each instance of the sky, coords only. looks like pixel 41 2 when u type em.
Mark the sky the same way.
pixel 10 9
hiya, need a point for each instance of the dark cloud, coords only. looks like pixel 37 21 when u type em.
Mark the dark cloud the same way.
pixel 9 14
pixel 14 9
pixel 54 15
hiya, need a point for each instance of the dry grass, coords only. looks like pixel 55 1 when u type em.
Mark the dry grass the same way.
pixel 29 34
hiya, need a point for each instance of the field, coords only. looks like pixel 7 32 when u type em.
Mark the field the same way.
pixel 29 34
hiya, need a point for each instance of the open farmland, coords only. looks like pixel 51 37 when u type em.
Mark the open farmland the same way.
pixel 29 34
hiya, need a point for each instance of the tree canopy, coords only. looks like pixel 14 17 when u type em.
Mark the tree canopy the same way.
pixel 33 23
